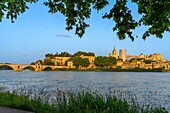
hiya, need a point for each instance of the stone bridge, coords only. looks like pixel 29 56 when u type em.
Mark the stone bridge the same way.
pixel 37 67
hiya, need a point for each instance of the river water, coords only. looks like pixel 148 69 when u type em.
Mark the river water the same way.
pixel 146 86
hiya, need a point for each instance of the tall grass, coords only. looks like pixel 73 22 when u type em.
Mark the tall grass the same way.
pixel 70 102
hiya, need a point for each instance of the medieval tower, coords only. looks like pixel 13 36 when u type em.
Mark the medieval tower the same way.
pixel 122 54
pixel 114 53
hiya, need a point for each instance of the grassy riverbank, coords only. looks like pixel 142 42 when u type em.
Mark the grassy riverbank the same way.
pixel 69 102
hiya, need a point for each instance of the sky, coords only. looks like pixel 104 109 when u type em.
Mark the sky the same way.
pixel 37 32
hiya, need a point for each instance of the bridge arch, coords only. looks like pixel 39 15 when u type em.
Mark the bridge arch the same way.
pixel 6 67
pixel 31 68
pixel 48 68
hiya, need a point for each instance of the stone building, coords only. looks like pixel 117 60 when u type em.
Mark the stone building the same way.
pixel 138 61
pixel 122 54
pixel 142 65
pixel 60 61
pixel 156 57
pixel 125 64
pixel 70 64
pixel 114 53
pixel 156 65
pixel 148 66
pixel 130 56
pixel 142 56
pixel 91 60
pixel 119 63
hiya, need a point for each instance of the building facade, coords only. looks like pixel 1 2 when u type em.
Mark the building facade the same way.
pixel 60 61
pixel 155 57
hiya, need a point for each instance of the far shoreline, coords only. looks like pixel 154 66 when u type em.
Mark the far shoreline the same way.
pixel 100 70
pixel 113 70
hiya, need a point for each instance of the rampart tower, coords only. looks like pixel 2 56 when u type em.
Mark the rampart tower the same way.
pixel 122 54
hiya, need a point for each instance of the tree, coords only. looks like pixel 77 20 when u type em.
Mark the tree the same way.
pixel 103 61
pixel 78 61
pixel 40 61
pixel 13 8
pixel 100 61
pixel 63 54
pixel 32 63
pixel 155 14
pixel 85 62
pixel 79 53
pixel 112 61
pixel 48 61
pixel 49 55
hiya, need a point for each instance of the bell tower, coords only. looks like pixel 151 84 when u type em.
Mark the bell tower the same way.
pixel 114 53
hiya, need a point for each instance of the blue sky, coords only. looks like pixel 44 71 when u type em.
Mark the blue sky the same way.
pixel 36 32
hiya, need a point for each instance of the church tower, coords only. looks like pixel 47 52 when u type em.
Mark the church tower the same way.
pixel 114 53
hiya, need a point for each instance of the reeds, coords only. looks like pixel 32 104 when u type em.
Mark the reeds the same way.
pixel 41 101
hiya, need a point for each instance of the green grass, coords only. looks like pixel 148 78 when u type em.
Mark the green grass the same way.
pixel 69 102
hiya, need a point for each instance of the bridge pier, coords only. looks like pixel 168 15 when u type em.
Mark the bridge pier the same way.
pixel 38 67
pixel 17 68
pixel 38 70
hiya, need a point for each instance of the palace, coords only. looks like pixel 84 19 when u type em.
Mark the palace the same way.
pixel 142 61
pixel 123 60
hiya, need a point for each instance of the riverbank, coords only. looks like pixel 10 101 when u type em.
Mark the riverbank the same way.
pixel 111 70
pixel 118 69
pixel 71 102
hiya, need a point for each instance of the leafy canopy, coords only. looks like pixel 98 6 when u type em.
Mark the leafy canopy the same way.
pixel 62 54
pixel 78 61
pixel 155 14
pixel 13 8
pixel 103 61
pixel 80 53
pixel 48 61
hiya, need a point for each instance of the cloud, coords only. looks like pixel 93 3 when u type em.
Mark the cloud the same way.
pixel 62 35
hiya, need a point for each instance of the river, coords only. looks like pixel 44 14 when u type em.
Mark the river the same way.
pixel 147 86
